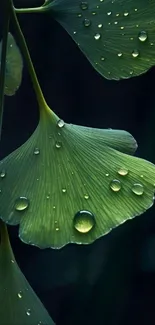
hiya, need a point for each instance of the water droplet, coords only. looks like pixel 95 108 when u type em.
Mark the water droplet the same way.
pixel 102 58
pixel 107 174
pixel 138 189
pixel 19 294
pixel 28 313
pixel 57 228
pixel 21 203
pixel 142 36
pixel 2 174
pixel 97 36
pixel 100 25
pixel 58 144
pixel 126 14
pixel 12 261
pixel 135 53
pixel 109 13
pixel 84 221
pixel 123 171
pixel 60 123
pixel 84 5
pixel 64 190
pixel 86 196
pixel 86 22
pixel 120 54
pixel 115 185
pixel 36 151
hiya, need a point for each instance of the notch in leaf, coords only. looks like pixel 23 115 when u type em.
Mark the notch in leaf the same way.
pixel 19 303
pixel 70 183
pixel 117 37
pixel 14 66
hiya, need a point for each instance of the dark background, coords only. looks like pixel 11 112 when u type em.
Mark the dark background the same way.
pixel 111 281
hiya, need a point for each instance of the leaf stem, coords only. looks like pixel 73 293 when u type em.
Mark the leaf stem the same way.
pixel 40 97
pixel 29 10
pixel 6 18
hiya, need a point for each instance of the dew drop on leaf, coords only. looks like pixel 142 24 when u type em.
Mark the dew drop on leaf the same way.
pixel 123 171
pixel 36 151
pixel 60 123
pixel 84 221
pixel 138 189
pixel 135 53
pixel 97 36
pixel 115 185
pixel 84 5
pixel 19 294
pixel 28 312
pixel 21 203
pixel 58 144
pixel 86 22
pixel 2 174
pixel 142 36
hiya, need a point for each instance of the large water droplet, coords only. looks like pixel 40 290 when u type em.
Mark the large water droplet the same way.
pixel 84 5
pixel 21 203
pixel 135 53
pixel 19 294
pixel 28 312
pixel 138 189
pixel 2 174
pixel 84 221
pixel 60 123
pixel 97 36
pixel 36 151
pixel 142 36
pixel 86 22
pixel 115 185
pixel 123 171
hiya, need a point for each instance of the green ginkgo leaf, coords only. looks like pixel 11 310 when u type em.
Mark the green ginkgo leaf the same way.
pixel 117 37
pixel 69 183
pixel 14 66
pixel 19 305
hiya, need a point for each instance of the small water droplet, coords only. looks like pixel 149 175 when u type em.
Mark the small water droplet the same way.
pixel 64 190
pixel 142 36
pixel 2 174
pixel 123 171
pixel 58 144
pixel 109 13
pixel 86 22
pixel 97 36
pixel 126 14
pixel 84 5
pixel 120 54
pixel 21 203
pixel 12 261
pixel 86 196
pixel 36 151
pixel 115 185
pixel 28 312
pixel 135 53
pixel 138 189
pixel 60 123
pixel 19 294
pixel 57 228
pixel 107 174
pixel 100 25
pixel 84 221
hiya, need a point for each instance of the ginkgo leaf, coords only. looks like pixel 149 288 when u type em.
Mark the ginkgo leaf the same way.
pixel 14 66
pixel 117 37
pixel 68 183
pixel 19 303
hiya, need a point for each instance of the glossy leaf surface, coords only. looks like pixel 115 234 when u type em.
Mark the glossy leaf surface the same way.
pixel 69 183
pixel 117 36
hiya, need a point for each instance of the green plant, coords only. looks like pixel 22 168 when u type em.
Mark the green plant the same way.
pixel 70 183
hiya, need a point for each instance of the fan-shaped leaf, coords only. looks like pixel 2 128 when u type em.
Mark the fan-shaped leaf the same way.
pixel 14 66
pixel 117 37
pixel 19 303
pixel 68 183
